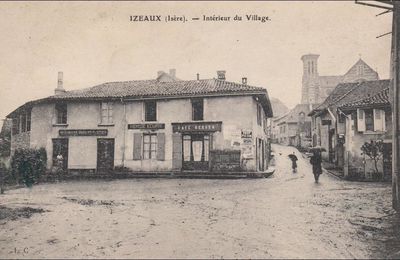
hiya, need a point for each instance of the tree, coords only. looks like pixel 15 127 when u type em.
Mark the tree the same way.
pixel 374 150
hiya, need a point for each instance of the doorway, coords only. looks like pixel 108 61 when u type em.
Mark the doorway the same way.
pixel 196 151
pixel 60 150
pixel 105 154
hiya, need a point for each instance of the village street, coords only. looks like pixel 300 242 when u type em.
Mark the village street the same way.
pixel 284 216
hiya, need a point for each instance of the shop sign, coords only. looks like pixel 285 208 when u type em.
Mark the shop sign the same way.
pixel 197 127
pixel 83 132
pixel 247 134
pixel 146 126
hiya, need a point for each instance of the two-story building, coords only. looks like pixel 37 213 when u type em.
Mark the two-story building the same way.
pixel 158 125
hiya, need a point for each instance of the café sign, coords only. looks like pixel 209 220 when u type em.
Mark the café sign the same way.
pixel 146 126
pixel 83 132
pixel 197 127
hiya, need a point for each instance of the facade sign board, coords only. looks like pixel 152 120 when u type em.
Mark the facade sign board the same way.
pixel 83 132
pixel 147 126
pixel 197 127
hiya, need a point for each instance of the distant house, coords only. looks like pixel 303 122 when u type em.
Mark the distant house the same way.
pixel 329 122
pixel 293 128
pixel 368 118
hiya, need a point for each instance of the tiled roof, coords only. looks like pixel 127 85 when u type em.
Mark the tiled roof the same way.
pixel 139 89
pixel 379 99
pixel 349 92
pixel 154 88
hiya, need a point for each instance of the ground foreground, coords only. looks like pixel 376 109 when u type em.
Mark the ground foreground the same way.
pixel 284 216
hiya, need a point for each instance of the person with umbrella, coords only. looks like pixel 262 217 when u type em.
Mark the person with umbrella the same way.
pixel 294 159
pixel 316 161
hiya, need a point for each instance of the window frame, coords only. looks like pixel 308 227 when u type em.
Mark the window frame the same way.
pixel 194 102
pixel 146 112
pixel 107 113
pixel 61 110
pixel 151 152
pixel 369 116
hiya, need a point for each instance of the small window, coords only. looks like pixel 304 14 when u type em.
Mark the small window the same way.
pixel 150 108
pixel 28 120
pixel 197 109
pixel 23 122
pixel 15 126
pixel 61 113
pixel 149 146
pixel 106 112
pixel 369 120
pixel 259 114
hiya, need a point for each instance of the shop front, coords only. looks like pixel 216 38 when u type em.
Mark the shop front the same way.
pixel 197 142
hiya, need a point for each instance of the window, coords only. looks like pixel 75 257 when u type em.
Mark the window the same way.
pixel 15 126
pixel 149 146
pixel 61 113
pixel 197 109
pixel 28 120
pixel 106 112
pixel 150 110
pixel 369 120
pixel 23 122
pixel 259 114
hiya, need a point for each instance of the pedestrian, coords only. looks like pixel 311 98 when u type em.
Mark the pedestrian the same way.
pixel 316 161
pixel 294 159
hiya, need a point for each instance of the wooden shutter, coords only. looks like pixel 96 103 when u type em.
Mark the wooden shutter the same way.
pixel 137 146
pixel 360 120
pixel 176 151
pixel 161 146
pixel 378 122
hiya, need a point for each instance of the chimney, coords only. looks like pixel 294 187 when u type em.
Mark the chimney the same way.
pixel 198 76
pixel 60 88
pixel 172 73
pixel 159 73
pixel 244 81
pixel 221 74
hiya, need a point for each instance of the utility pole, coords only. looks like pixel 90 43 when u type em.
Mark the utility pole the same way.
pixel 395 106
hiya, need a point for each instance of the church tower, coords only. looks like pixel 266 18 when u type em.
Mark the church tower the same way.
pixel 310 83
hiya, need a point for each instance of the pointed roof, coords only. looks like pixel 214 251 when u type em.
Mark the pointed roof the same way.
pixel 371 74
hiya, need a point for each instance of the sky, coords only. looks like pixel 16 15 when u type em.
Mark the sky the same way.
pixel 95 42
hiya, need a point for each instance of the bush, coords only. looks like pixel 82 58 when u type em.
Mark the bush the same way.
pixel 27 165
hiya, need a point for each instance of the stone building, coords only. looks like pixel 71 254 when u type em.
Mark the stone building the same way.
pixel 369 118
pixel 316 88
pixel 329 121
pixel 159 125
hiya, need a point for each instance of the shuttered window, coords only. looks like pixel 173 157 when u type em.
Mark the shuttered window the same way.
pixel 360 120
pixel 161 146
pixel 197 109
pixel 137 146
pixel 369 120
pixel 149 146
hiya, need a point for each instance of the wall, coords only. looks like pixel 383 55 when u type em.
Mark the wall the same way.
pixel 353 153
pixel 236 113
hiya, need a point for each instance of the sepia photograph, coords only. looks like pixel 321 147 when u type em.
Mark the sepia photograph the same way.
pixel 200 129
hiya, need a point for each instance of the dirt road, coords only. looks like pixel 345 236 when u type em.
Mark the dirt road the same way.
pixel 284 216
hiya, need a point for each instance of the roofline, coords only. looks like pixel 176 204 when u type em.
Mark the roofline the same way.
pixel 263 92
pixel 386 105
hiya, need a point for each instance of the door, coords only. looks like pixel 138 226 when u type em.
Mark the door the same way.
pixel 196 149
pixel 60 153
pixel 387 160
pixel 105 154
